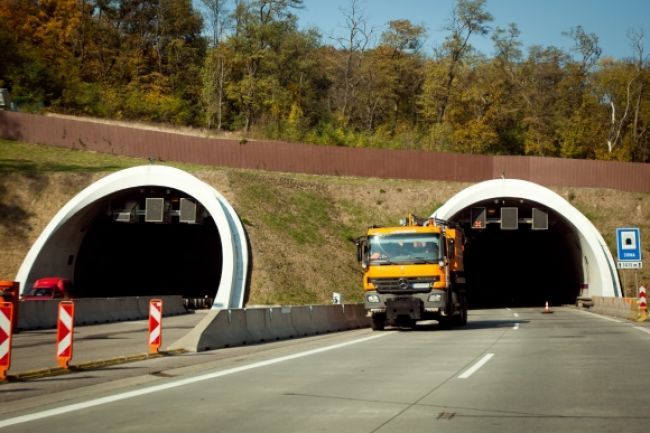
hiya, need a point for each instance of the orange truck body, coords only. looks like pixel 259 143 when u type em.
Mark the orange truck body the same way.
pixel 413 272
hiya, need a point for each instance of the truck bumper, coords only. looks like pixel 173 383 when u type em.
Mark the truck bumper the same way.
pixel 416 306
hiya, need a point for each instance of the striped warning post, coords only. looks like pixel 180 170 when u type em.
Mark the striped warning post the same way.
pixel 65 333
pixel 6 325
pixel 155 325
pixel 643 303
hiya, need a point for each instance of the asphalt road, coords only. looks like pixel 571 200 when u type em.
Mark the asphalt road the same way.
pixel 36 350
pixel 508 371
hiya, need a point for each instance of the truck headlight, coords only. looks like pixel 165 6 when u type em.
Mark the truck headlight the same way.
pixel 435 297
pixel 373 299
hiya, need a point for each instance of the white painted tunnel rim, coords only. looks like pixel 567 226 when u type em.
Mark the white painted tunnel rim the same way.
pixel 230 293
pixel 603 280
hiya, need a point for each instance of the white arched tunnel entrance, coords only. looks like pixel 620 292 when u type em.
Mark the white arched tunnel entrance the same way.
pixel 148 230
pixel 524 266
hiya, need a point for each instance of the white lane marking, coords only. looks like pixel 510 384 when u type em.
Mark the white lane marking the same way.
pixel 175 384
pixel 516 326
pixel 516 314
pixel 474 368
pixel 646 330
pixel 601 316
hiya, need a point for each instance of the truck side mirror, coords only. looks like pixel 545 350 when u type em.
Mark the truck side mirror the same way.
pixel 359 244
pixel 451 248
pixel 361 250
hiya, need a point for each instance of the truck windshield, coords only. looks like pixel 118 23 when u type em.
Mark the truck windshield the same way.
pixel 41 291
pixel 404 248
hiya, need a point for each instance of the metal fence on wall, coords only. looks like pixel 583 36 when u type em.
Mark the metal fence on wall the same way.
pixel 327 160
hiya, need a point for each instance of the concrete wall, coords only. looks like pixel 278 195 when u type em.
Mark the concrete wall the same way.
pixel 90 311
pixel 238 327
pixel 625 308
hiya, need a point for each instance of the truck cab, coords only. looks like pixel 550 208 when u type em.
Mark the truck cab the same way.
pixel 413 272
pixel 48 288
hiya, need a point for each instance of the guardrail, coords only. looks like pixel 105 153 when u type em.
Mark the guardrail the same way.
pixel 90 311
pixel 238 327
pixel 625 308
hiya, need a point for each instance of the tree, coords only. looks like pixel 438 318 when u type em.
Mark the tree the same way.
pixel 404 41
pixel 353 46
pixel 467 19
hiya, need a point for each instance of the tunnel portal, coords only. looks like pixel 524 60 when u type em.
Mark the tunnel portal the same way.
pixel 125 253
pixel 147 230
pixel 527 245
pixel 520 267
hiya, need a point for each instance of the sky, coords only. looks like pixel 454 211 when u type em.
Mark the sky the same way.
pixel 541 22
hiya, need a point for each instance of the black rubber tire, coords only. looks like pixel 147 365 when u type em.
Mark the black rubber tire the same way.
pixel 378 322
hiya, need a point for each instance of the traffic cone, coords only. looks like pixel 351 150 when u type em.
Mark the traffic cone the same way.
pixel 546 309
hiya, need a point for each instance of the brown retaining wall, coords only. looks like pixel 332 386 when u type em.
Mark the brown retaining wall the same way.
pixel 78 133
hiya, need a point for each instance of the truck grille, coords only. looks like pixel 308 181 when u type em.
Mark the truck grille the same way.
pixel 403 285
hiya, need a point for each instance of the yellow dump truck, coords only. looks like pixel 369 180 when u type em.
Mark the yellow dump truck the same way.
pixel 414 272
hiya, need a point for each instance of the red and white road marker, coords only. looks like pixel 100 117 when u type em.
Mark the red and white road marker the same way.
pixel 65 333
pixel 643 303
pixel 155 325
pixel 6 326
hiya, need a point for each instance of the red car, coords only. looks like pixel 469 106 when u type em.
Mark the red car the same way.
pixel 48 288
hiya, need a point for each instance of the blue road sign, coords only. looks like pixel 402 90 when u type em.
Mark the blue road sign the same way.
pixel 628 244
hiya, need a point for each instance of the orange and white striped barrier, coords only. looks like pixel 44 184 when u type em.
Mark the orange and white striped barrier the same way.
pixel 155 325
pixel 65 333
pixel 6 326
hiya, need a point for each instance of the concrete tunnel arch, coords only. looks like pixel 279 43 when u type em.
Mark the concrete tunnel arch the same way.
pixel 57 247
pixel 599 275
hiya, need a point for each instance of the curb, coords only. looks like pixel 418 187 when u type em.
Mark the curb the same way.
pixel 90 365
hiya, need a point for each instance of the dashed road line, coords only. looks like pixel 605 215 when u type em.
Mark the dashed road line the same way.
pixel 474 368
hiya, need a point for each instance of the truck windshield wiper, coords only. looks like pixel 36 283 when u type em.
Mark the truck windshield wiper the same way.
pixel 382 262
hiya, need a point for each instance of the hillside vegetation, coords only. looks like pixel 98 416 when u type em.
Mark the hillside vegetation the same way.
pixel 301 227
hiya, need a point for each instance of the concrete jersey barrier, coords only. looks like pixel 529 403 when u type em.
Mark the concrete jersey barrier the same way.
pixel 91 311
pixel 238 327
pixel 625 308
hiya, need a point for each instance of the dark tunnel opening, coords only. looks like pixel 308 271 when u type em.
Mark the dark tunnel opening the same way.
pixel 522 267
pixel 138 258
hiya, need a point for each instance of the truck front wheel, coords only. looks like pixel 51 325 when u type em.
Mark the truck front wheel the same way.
pixel 378 322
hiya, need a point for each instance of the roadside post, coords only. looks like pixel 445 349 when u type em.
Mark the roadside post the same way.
pixel 643 304
pixel 628 249
pixel 6 327
pixel 155 325
pixel 65 333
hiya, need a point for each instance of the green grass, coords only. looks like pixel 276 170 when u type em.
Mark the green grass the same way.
pixel 35 158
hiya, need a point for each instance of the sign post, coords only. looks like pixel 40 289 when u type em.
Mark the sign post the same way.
pixel 65 333
pixel 628 248
pixel 6 327
pixel 155 325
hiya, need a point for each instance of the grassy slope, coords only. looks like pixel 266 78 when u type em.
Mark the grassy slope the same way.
pixel 301 227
